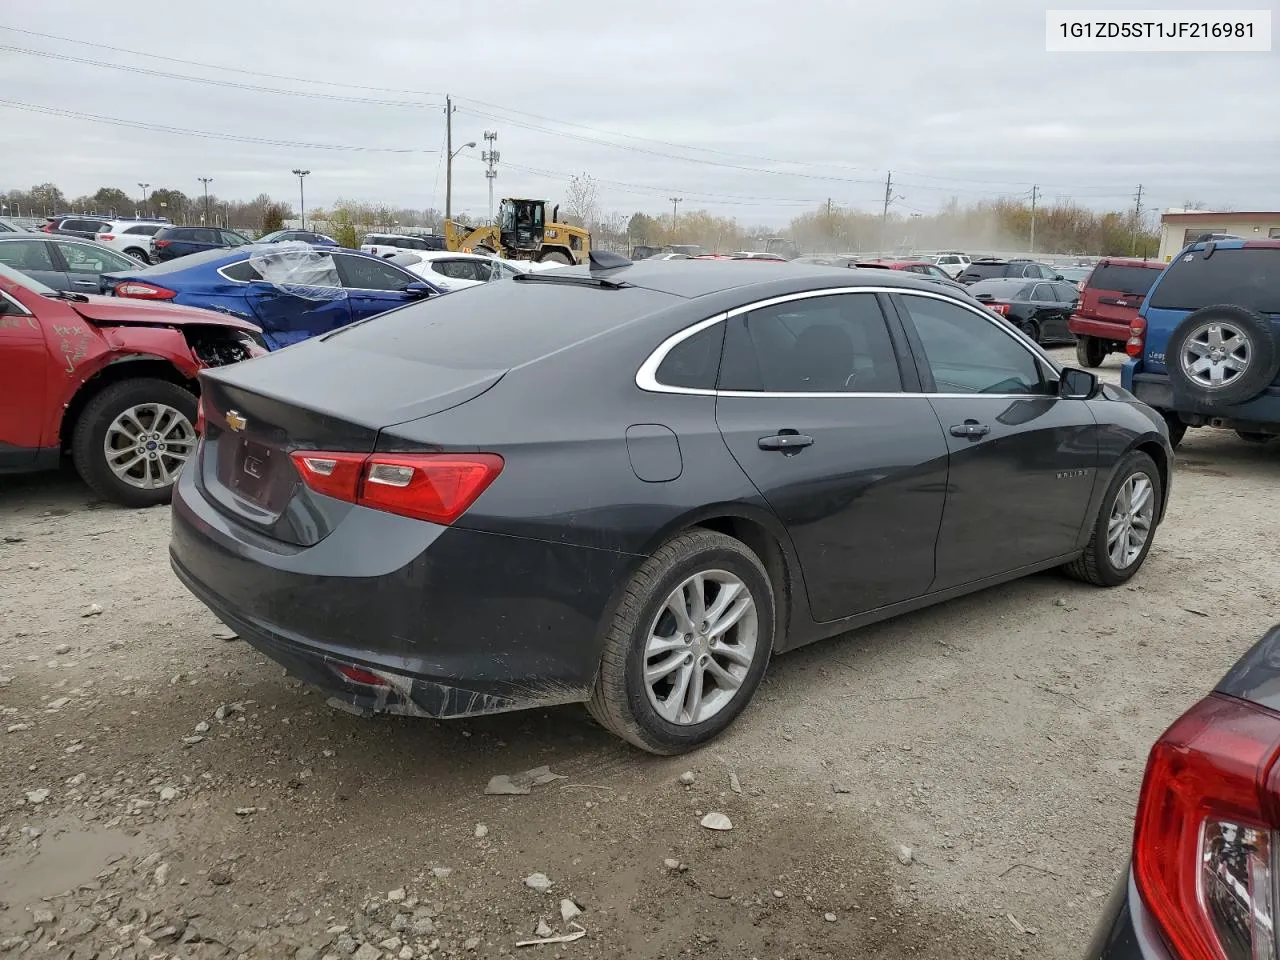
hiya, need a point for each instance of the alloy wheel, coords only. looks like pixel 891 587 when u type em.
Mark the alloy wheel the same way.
pixel 1129 525
pixel 700 648
pixel 147 444
pixel 1215 355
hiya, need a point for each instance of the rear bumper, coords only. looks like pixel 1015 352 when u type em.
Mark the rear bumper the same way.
pixel 1154 389
pixel 1102 329
pixel 1126 931
pixel 456 622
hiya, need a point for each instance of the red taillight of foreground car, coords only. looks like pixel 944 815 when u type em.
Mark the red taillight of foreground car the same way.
pixel 106 236
pixel 138 290
pixel 1137 337
pixel 1000 308
pixel 438 487
pixel 1204 832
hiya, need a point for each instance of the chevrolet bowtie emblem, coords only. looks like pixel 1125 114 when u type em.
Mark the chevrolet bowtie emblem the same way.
pixel 236 422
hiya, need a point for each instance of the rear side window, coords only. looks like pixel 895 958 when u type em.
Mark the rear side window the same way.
pixel 694 362
pixel 244 271
pixel 1247 277
pixel 146 230
pixel 1133 281
pixel 832 344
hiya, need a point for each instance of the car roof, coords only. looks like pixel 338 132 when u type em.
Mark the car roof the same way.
pixel 696 278
pixel 1127 262
pixel 54 237
pixel 1233 245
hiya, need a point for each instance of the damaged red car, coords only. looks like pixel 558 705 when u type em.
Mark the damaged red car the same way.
pixel 110 382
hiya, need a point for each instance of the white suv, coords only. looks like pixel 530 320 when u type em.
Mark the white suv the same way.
pixel 953 264
pixel 131 237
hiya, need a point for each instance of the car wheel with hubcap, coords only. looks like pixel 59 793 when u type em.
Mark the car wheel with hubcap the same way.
pixel 132 439
pixel 1090 351
pixel 687 645
pixel 1125 525
pixel 1223 354
pixel 1031 329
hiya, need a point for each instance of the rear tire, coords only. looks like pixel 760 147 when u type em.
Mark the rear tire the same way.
pixel 555 256
pixel 1177 429
pixel 152 411
pixel 1031 329
pixel 1091 351
pixel 139 254
pixel 645 634
pixel 1130 509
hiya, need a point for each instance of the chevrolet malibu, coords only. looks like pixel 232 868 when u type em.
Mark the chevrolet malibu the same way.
pixel 632 484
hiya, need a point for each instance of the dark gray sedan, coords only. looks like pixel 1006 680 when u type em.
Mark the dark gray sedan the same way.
pixel 63 263
pixel 632 484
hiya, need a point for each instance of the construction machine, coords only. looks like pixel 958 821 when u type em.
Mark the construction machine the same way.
pixel 522 233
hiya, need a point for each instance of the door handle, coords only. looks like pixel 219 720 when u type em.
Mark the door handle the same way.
pixel 971 429
pixel 85 283
pixel 785 442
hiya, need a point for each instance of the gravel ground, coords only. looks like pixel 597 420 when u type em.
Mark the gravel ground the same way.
pixel 957 783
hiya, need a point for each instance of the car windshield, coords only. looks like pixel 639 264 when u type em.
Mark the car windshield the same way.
pixel 1247 277
pixel 1134 281
pixel 35 286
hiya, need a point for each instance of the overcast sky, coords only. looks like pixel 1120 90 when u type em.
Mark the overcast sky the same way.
pixel 757 109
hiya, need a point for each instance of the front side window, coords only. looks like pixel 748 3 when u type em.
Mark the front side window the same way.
pixel 969 354
pixel 365 273
pixel 82 258
pixel 26 255
pixel 832 344
pixel 233 239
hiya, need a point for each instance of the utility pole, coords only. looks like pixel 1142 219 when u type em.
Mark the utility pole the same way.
pixel 448 165
pixel 302 196
pixel 144 195
pixel 1137 219
pixel 1035 192
pixel 889 197
pixel 491 156
pixel 675 206
pixel 206 181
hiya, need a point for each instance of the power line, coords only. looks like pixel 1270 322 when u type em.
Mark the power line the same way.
pixel 206 134
pixel 230 84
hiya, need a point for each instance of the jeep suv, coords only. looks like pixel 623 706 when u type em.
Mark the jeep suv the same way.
pixel 1205 347
pixel 1109 301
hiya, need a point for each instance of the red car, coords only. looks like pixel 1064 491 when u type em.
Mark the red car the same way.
pixel 1109 302
pixel 112 382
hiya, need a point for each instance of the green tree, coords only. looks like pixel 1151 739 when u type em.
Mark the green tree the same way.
pixel 342 227
pixel 112 200
pixel 272 218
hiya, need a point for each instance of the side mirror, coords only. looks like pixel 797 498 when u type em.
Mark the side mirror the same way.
pixel 1077 384
pixel 420 290
pixel 1058 276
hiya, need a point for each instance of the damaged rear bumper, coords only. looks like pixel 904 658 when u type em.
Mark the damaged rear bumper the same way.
pixel 389 615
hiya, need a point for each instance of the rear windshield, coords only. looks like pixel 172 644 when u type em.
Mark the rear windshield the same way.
pixel 985 270
pixel 1247 277
pixel 500 325
pixel 1013 289
pixel 1134 281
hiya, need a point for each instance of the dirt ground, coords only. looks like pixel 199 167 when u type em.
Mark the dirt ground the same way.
pixel 164 792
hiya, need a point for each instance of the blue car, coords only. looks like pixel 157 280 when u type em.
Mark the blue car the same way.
pixel 1205 346
pixel 305 236
pixel 291 293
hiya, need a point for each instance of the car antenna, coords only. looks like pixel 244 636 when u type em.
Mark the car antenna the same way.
pixel 606 260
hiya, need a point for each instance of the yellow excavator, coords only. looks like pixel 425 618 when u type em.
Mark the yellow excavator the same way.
pixel 522 233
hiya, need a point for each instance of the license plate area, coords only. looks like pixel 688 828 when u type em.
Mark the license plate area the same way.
pixel 256 473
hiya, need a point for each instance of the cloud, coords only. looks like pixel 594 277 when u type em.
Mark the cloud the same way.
pixel 751 108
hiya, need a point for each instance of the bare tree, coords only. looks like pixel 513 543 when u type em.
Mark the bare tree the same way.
pixel 582 201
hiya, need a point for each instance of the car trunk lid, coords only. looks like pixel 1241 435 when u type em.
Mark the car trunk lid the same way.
pixel 1114 292
pixel 307 398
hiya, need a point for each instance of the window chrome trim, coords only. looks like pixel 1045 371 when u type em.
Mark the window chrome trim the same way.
pixel 22 311
pixel 647 375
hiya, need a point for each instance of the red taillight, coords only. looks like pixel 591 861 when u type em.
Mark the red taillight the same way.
pixel 1137 337
pixel 159 243
pixel 1000 308
pixel 106 236
pixel 144 291
pixel 1203 835
pixel 47 228
pixel 200 416
pixel 360 675
pixel 437 487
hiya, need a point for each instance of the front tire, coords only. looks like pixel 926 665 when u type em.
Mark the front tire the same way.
pixel 1031 329
pixel 556 256
pixel 132 438
pixel 1125 526
pixel 687 645
pixel 1090 351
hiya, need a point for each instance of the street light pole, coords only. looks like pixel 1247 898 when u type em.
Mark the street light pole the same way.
pixel 206 181
pixel 302 197
pixel 144 195
pixel 675 207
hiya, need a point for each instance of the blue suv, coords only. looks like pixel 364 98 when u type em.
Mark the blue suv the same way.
pixel 173 242
pixel 1205 347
